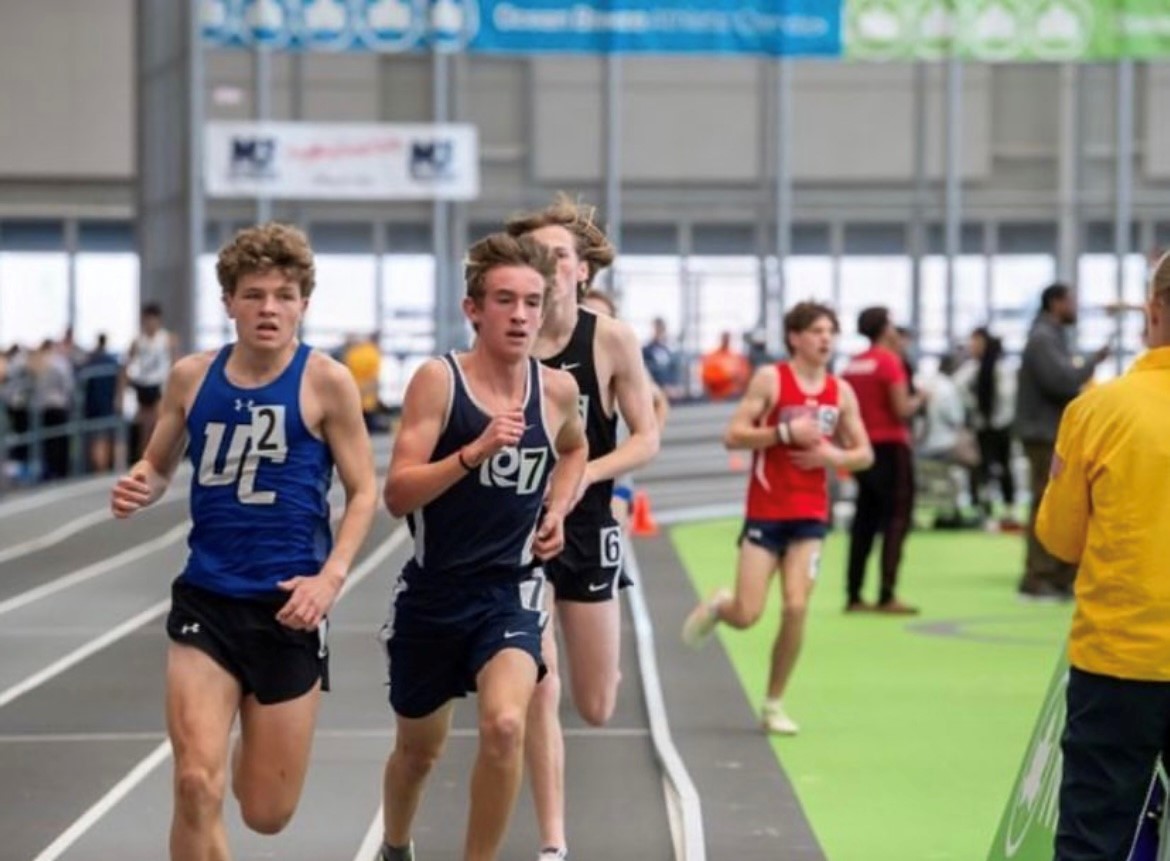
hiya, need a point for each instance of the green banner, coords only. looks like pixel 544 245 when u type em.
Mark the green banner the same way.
pixel 1028 827
pixel 1007 30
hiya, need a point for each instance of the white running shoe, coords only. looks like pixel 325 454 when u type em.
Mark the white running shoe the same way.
pixel 553 853
pixel 703 619
pixel 776 721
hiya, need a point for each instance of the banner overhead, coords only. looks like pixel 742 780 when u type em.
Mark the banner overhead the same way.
pixel 341 161
pixel 985 30
pixel 1007 30
pixel 751 27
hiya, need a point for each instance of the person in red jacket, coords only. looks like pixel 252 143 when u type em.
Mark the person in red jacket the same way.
pixel 885 497
pixel 799 421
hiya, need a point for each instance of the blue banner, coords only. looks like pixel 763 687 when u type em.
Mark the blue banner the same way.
pixel 787 28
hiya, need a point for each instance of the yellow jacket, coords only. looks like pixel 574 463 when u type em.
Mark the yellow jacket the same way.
pixel 1107 507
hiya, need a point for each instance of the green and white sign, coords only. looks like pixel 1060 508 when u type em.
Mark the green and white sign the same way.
pixel 1028 828
pixel 1007 30
pixel 1027 831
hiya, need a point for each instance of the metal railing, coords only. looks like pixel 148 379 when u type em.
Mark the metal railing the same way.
pixel 28 447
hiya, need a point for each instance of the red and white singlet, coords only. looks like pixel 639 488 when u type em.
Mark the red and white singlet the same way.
pixel 778 489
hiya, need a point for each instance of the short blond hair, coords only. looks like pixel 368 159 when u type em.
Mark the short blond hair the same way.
pixel 500 249
pixel 1160 278
pixel 265 247
pixel 580 220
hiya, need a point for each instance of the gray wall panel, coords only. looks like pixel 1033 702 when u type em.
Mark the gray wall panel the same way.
pixel 66 88
pixel 1157 120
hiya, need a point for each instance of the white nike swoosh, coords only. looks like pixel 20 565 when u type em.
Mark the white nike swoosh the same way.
pixel 597 587
pixel 568 366
pixel 510 634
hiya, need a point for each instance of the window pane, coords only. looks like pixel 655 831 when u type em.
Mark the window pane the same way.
pixel 867 281
pixel 1016 283
pixel 729 298
pixel 408 329
pixel 107 300
pixel 808 278
pixel 212 327
pixel 342 303
pixel 34 297
pixel 651 286
pixel 1097 301
pixel 970 300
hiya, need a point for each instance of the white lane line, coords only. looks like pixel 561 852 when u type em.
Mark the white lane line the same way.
pixel 82 652
pixel 102 515
pixel 95 570
pixel 130 625
pixel 694 842
pixel 39 499
pixel 161 753
pixel 59 534
pixel 117 792
pixel 357 575
pixel 372 841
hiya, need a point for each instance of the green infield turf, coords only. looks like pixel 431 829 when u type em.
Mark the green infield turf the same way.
pixel 910 738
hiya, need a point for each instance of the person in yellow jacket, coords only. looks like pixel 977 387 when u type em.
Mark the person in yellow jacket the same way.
pixel 1107 508
pixel 364 360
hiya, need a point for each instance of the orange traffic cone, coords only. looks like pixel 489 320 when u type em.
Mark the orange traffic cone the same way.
pixel 641 520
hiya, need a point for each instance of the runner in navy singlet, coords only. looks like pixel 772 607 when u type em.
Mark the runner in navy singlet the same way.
pixel 489 455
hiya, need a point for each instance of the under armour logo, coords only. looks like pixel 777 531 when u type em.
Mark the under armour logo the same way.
pixel 193 628
pixel 240 404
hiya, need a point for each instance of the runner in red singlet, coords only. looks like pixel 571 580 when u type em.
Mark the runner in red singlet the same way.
pixel 799 421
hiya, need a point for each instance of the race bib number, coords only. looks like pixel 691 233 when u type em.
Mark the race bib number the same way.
pixel 611 547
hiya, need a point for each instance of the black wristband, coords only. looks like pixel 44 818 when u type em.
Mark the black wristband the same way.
pixel 467 466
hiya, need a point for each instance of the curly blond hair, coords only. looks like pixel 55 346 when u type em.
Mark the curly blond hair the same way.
pixel 580 219
pixel 501 249
pixel 264 247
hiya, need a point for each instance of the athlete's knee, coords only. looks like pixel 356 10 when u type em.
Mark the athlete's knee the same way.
pixel 265 815
pixel 597 707
pixel 416 760
pixel 740 615
pixel 501 732
pixel 795 608
pixel 199 792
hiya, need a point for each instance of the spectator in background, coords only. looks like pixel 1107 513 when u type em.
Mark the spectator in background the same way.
pixel 946 418
pixel 947 446
pixel 662 362
pixel 364 360
pixel 756 343
pixel 725 372
pixel 1106 508
pixel 147 365
pixel 1050 377
pixel 100 382
pixel 17 394
pixel 885 498
pixel 989 391
pixel 52 396
pixel 905 348
pixel 74 354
